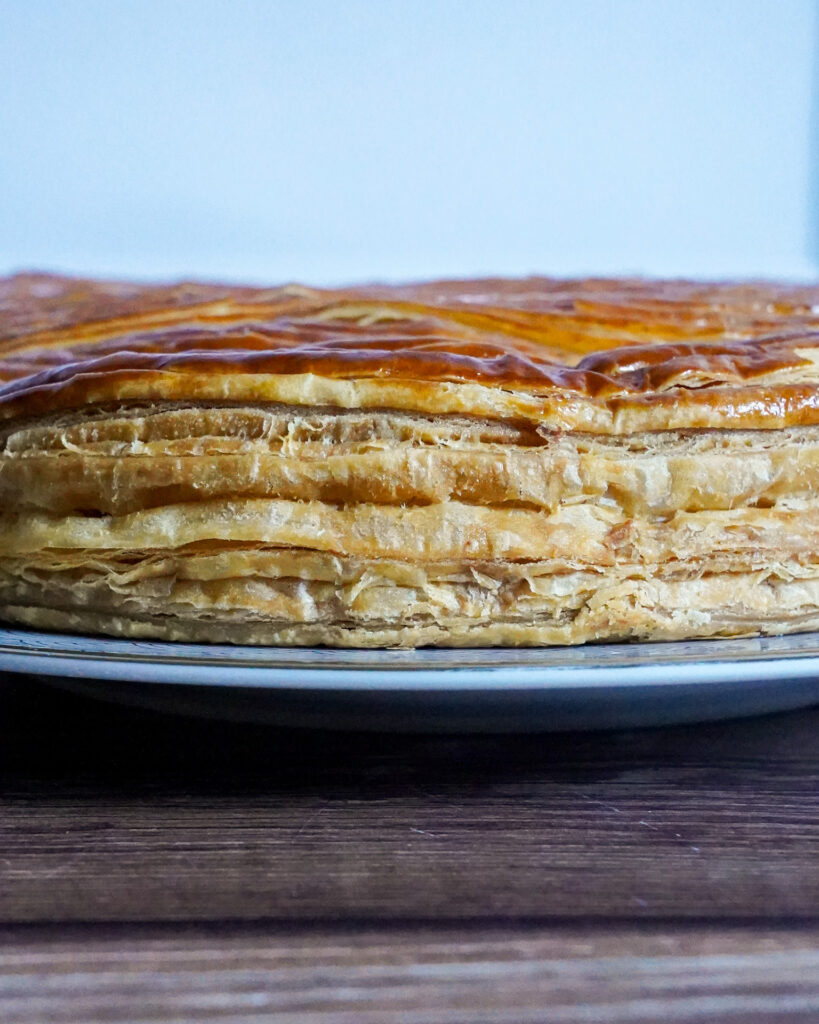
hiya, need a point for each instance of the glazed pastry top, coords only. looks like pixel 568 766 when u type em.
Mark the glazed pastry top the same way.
pixel 602 355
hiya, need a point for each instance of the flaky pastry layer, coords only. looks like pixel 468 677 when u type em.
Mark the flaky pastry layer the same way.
pixel 123 462
pixel 294 597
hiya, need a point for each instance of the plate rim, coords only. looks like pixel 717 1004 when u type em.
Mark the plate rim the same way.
pixel 659 664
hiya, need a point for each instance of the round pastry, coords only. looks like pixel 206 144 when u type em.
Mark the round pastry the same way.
pixel 458 463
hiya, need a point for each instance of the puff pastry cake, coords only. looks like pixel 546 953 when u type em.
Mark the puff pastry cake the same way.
pixel 462 463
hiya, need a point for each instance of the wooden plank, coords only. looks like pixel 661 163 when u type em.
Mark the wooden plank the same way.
pixel 565 975
pixel 112 814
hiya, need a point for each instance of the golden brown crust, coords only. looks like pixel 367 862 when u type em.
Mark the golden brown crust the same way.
pixel 605 356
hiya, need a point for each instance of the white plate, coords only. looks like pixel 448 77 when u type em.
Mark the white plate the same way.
pixel 592 687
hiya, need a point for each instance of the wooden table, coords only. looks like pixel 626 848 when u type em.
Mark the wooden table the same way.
pixel 155 868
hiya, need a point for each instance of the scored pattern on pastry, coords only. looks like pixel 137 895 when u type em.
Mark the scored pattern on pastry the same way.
pixel 465 463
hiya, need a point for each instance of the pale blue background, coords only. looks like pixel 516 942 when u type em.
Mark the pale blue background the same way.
pixel 359 139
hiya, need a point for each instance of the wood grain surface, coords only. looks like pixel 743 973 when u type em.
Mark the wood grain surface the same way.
pixel 566 975
pixel 191 870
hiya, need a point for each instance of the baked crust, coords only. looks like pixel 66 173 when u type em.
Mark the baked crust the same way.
pixel 466 462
